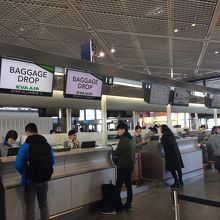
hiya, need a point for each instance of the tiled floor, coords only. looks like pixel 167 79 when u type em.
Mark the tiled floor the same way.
pixel 156 204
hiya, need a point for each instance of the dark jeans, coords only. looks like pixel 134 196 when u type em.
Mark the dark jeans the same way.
pixel 31 191
pixel 124 176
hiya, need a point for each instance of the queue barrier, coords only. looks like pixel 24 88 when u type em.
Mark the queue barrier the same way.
pixel 176 197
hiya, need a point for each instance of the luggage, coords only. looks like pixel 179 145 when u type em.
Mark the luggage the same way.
pixel 109 197
pixel 136 175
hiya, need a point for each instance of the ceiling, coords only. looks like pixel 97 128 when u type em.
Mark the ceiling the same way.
pixel 141 31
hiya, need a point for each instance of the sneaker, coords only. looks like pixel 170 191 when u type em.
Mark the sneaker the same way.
pixel 175 185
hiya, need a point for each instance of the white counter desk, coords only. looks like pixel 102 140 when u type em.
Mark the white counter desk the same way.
pixel 76 182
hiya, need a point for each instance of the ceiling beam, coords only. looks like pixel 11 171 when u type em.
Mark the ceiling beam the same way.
pixel 36 56
pixel 212 24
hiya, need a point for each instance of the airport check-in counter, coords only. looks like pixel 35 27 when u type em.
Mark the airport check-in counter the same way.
pixel 153 161
pixel 76 182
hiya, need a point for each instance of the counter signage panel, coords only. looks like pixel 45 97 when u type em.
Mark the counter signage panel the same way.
pixel 82 85
pixel 215 101
pixel 156 94
pixel 26 78
pixel 181 97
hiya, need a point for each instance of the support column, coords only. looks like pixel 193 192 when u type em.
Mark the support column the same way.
pixel 169 119
pixel 196 121
pixel 135 118
pixel 68 119
pixel 185 124
pixel 104 119
pixel 215 113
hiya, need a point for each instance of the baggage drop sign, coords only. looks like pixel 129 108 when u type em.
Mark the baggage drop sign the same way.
pixel 26 78
pixel 80 84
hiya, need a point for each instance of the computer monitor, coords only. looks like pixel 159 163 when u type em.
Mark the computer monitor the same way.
pixel 12 151
pixel 88 144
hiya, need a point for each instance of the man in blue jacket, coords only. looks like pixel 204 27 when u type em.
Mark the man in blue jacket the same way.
pixel 35 162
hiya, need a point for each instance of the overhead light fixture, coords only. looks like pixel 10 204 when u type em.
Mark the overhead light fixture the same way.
pixel 112 50
pixel 216 52
pixel 126 82
pixel 193 24
pixel 101 54
pixel 58 74
pixel 176 30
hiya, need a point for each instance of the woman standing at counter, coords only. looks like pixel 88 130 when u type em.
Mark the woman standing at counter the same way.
pixel 9 141
pixel 173 158
pixel 72 141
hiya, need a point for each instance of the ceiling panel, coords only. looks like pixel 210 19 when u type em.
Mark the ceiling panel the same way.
pixel 187 46
pixel 10 11
pixel 186 30
pixel 149 26
pixel 104 6
pixel 131 61
pixel 146 8
pixel 211 61
pixel 116 40
pixel 153 43
pixel 193 11
pixel 187 60
pixel 98 20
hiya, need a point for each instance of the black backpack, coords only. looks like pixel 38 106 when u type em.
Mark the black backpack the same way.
pixel 39 165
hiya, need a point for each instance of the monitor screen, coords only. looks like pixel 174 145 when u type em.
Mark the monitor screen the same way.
pixel 83 85
pixel 156 94
pixel 88 144
pixel 13 151
pixel 215 101
pixel 180 97
pixel 26 78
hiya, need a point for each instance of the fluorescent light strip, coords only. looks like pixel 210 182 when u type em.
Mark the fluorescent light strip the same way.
pixel 126 82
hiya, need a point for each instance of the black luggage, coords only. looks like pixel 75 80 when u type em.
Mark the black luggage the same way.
pixel 109 197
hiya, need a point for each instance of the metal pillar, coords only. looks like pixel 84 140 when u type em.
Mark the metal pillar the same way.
pixel 215 113
pixel 196 121
pixel 169 119
pixel 135 118
pixel 68 119
pixel 176 205
pixel 104 119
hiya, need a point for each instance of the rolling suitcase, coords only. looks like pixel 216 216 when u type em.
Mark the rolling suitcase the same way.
pixel 136 176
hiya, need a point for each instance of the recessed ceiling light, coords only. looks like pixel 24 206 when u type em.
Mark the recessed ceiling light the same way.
pixel 112 50
pixel 216 52
pixel 193 24
pixel 101 54
pixel 176 30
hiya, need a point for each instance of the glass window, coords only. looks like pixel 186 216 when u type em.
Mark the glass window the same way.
pixel 90 114
pixel 98 114
pixel 99 128
pixel 81 115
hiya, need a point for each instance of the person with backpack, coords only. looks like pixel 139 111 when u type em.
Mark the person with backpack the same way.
pixel 35 162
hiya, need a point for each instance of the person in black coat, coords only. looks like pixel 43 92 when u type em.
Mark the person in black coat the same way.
pixel 174 162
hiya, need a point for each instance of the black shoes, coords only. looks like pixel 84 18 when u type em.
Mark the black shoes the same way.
pixel 127 207
pixel 177 184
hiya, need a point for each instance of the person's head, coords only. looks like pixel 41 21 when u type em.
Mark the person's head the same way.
pixel 138 129
pixel 213 131
pixel 203 128
pixel 165 129
pixel 218 130
pixel 31 129
pixel 11 137
pixel 72 135
pixel 154 130
pixel 121 129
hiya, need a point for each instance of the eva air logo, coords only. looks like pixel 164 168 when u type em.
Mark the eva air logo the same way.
pixel 30 88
